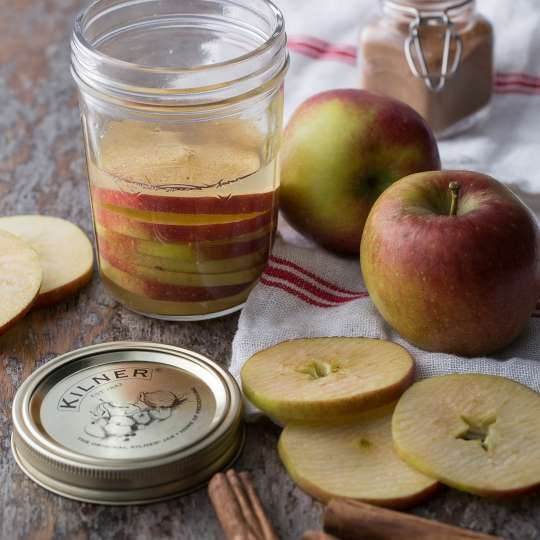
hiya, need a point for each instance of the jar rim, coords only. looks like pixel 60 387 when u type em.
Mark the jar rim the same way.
pixel 98 70
pixel 415 6
pixel 78 35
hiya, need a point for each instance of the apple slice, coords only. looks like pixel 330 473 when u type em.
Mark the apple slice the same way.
pixel 20 279
pixel 179 218
pixel 354 460
pixel 188 264
pixel 326 378
pixel 234 204
pixel 64 251
pixel 478 433
pixel 198 252
pixel 165 232
pixel 143 304
pixel 164 291
pixel 186 279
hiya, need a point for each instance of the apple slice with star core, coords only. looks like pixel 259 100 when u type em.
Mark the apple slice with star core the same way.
pixel 477 433
pixel 20 279
pixel 65 253
pixel 326 378
pixel 354 460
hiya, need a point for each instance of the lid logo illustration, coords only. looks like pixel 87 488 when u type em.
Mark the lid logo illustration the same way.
pixel 121 421
pixel 72 398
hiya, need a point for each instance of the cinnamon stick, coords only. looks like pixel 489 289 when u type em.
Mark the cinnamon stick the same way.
pixel 238 507
pixel 317 535
pixel 352 520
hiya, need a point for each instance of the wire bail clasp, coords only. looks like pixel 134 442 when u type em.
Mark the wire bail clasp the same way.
pixel 414 50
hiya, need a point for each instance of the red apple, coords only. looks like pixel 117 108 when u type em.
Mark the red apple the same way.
pixel 341 150
pixel 451 259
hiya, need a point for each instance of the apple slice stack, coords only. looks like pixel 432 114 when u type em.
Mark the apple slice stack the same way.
pixel 171 247
pixel 346 437
pixel 43 260
pixel 176 262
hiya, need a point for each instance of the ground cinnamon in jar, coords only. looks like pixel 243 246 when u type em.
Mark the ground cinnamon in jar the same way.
pixel 435 55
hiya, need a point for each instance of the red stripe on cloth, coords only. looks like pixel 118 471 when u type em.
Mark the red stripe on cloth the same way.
pixel 323 46
pixel 517 90
pixel 313 51
pixel 315 277
pixel 294 292
pixel 505 83
pixel 522 84
pixel 307 286
pixel 526 77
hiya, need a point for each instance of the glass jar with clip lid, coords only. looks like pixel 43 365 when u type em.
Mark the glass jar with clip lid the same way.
pixel 435 55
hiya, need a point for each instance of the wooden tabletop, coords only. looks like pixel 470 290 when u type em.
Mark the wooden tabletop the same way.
pixel 42 170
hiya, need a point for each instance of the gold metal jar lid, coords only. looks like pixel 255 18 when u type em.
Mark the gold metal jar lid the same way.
pixel 126 423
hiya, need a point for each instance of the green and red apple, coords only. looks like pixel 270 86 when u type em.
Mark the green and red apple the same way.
pixel 341 150
pixel 451 260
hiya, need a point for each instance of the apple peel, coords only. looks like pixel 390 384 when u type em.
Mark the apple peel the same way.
pixel 328 378
pixel 354 460
pixel 64 251
pixel 20 279
pixel 478 433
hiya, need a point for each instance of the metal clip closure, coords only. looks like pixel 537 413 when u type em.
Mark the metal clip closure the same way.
pixel 414 50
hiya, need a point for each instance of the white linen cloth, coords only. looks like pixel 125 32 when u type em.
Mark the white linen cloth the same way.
pixel 306 291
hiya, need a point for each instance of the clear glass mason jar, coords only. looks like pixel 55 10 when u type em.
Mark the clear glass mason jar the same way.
pixel 435 55
pixel 181 106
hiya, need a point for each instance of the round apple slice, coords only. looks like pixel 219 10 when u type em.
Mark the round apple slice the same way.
pixel 20 279
pixel 326 378
pixel 477 433
pixel 64 251
pixel 354 460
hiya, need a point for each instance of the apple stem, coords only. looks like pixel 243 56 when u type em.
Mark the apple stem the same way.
pixel 454 192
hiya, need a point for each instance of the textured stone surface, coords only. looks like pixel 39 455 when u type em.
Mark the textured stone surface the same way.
pixel 42 170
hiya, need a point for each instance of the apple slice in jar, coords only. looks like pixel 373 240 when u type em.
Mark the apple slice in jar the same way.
pixel 20 279
pixel 478 433
pixel 354 460
pixel 149 202
pixel 326 378
pixel 65 253
pixel 192 230
pixel 144 304
pixel 186 279
pixel 199 257
pixel 156 290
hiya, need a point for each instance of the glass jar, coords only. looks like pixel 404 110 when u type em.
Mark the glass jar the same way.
pixel 181 106
pixel 435 55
